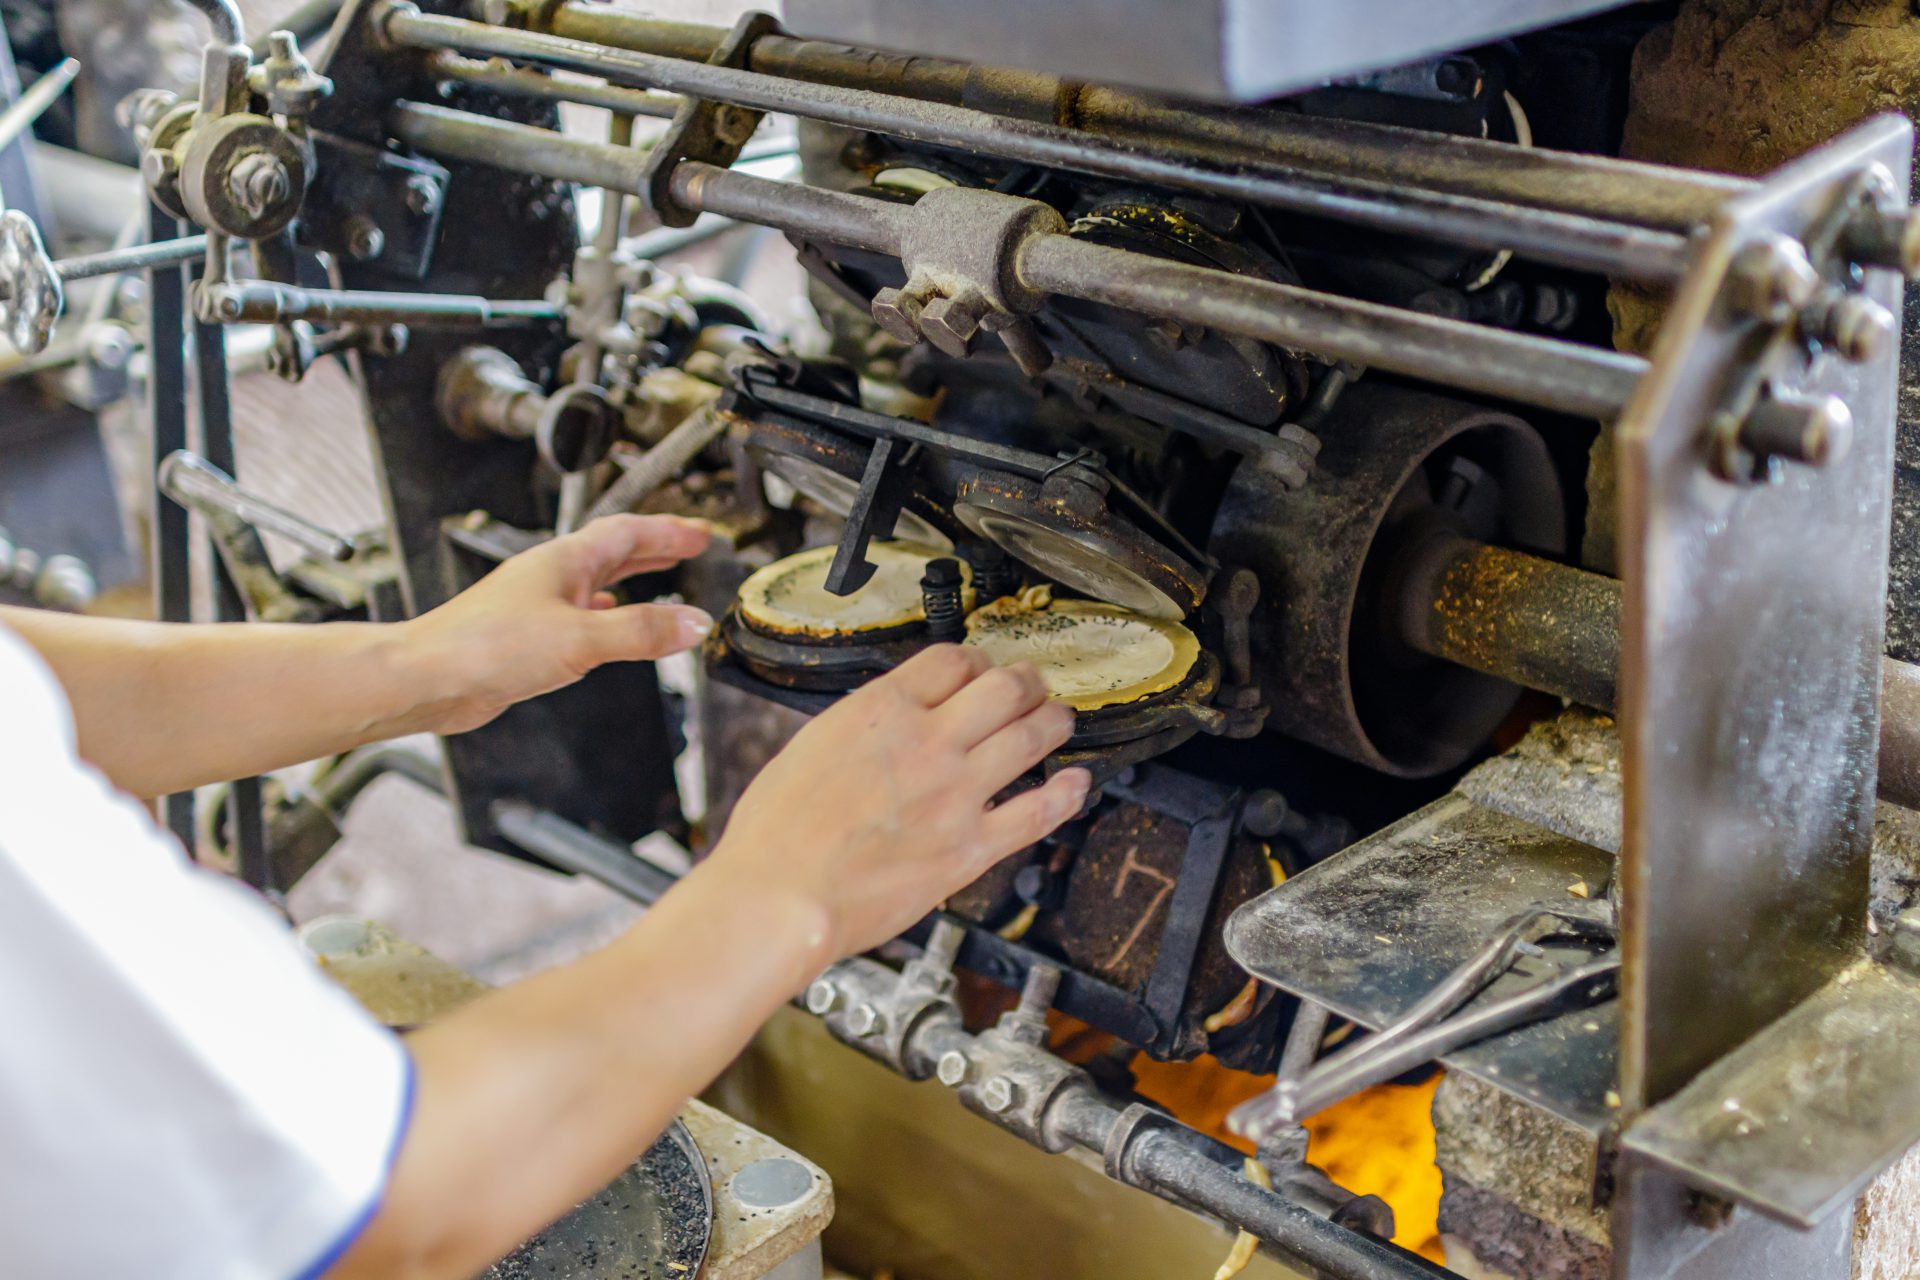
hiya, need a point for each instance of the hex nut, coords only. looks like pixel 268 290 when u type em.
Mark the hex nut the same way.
pixel 1771 279
pixel 365 240
pixel 999 1094
pixel 897 312
pixel 822 997
pixel 952 1068
pixel 864 1020
pixel 423 194
pixel 1857 328
pixel 952 323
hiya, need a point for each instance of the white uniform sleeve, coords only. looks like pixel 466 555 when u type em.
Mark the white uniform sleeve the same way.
pixel 182 1093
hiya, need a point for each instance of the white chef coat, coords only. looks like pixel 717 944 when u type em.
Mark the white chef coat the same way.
pixel 182 1092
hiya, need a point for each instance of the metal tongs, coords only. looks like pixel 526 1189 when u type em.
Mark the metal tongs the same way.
pixel 1446 1018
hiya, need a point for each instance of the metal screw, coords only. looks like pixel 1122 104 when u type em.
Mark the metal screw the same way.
pixel 822 996
pixel 897 311
pixel 999 1094
pixel 1854 325
pixel 1814 430
pixel 1772 279
pixel 365 241
pixel 952 1068
pixel 952 323
pixel 259 182
pixel 864 1020
pixel 423 194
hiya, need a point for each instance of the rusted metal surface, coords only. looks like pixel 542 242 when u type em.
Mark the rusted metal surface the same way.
pixel 1521 617
pixel 1326 653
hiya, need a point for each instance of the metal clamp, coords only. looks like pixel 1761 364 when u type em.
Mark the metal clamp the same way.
pixel 713 132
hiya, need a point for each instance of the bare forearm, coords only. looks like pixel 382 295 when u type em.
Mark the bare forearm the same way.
pixel 160 707
pixel 534 1097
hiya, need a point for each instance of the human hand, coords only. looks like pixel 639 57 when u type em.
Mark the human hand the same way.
pixel 544 618
pixel 880 807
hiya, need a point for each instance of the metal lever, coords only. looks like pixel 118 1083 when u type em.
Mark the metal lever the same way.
pixel 197 484
pixel 1441 1021
pixel 34 100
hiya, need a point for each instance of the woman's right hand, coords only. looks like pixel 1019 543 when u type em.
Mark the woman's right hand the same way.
pixel 880 807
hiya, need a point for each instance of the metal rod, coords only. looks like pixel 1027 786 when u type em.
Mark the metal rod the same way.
pixel 1584 381
pixel 256 302
pixel 1556 628
pixel 520 83
pixel 167 412
pixel 1579 380
pixel 1566 239
pixel 139 257
pixel 808 211
pixel 571 847
pixel 33 101
pixel 225 17
pixel 1537 623
pixel 1599 186
pixel 246 817
pixel 198 483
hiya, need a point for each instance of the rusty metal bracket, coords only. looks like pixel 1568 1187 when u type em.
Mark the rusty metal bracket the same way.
pixel 713 132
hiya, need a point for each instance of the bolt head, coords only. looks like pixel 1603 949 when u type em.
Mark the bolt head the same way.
pixel 897 312
pixel 822 996
pixel 365 241
pixel 258 183
pixel 1772 279
pixel 951 324
pixel 999 1094
pixel 864 1020
pixel 1859 328
pixel 423 194
pixel 952 1068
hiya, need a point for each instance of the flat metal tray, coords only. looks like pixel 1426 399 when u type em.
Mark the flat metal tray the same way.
pixel 1369 931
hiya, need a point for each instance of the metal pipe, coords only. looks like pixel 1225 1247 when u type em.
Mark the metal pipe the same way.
pixel 35 99
pixel 571 847
pixel 1164 1162
pixel 1566 239
pixel 545 88
pixel 1584 381
pixel 1556 628
pixel 1599 186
